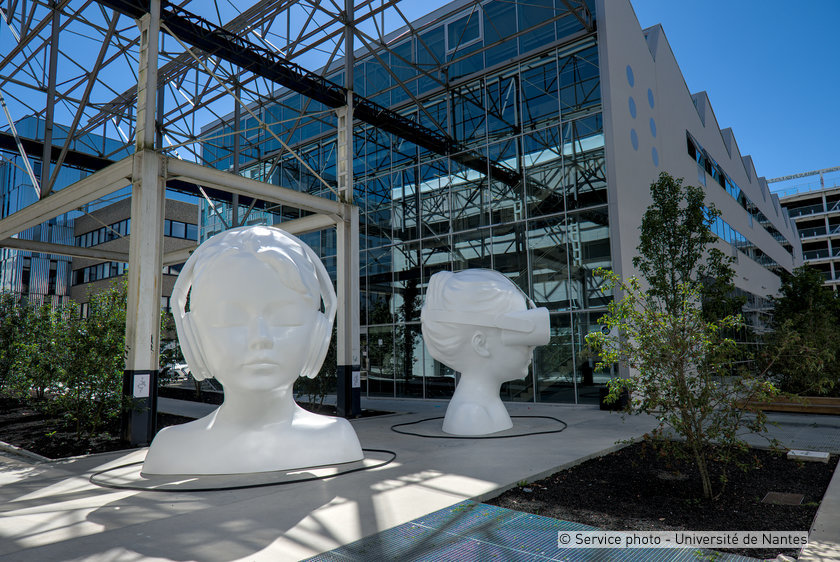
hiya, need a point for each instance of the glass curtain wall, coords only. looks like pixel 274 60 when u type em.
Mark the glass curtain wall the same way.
pixel 530 103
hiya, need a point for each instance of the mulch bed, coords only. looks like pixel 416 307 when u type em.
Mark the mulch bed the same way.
pixel 638 489
pixel 27 428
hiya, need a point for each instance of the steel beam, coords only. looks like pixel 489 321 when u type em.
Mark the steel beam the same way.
pixel 178 256
pixel 50 109
pixel 347 285
pixel 238 51
pixel 348 391
pixel 224 181
pixel 63 250
pixel 309 223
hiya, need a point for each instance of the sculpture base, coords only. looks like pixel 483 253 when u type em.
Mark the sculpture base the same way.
pixel 524 427
pixel 128 476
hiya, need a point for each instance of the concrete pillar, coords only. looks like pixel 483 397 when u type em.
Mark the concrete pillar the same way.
pixel 348 395
pixel 348 392
pixel 142 333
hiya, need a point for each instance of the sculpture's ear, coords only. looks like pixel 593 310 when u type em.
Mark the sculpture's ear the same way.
pixel 479 344
pixel 322 330
pixel 184 322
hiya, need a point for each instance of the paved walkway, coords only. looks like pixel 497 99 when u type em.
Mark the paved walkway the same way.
pixel 49 511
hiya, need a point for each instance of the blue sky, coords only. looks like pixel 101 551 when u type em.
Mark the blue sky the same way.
pixel 771 69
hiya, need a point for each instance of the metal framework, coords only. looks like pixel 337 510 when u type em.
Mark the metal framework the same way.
pixel 68 58
pixel 108 78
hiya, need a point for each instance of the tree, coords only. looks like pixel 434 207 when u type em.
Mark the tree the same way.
pixel 11 324
pixel 681 357
pixel 93 361
pixel 806 335
pixel 676 247
pixel 681 363
pixel 36 347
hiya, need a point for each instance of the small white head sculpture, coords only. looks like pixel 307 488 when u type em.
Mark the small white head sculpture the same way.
pixel 479 323
pixel 255 324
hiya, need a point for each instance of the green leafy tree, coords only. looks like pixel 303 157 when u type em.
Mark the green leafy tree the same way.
pixel 676 248
pixel 38 343
pixel 93 361
pixel 11 325
pixel 680 353
pixel 806 335
pixel 681 363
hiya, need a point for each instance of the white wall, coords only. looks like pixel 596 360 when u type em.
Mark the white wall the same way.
pixel 632 165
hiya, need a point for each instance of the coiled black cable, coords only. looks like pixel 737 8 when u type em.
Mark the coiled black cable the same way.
pixel 395 426
pixel 98 482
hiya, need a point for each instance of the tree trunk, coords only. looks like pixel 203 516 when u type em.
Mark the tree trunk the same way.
pixel 700 459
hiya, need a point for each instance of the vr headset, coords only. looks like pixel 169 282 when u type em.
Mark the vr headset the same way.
pixel 526 327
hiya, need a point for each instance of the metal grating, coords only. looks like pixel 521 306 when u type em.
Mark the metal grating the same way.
pixel 474 531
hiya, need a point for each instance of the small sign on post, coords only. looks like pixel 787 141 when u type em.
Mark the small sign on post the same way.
pixel 139 417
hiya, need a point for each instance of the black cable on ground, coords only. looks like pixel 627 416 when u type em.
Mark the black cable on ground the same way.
pixel 394 429
pixel 93 476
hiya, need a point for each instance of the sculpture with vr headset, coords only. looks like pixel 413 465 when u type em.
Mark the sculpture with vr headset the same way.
pixel 479 323
pixel 247 310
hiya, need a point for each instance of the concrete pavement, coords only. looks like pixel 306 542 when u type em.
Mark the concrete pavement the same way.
pixel 51 512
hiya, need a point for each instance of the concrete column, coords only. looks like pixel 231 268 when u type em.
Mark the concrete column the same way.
pixel 348 392
pixel 142 333
pixel 348 395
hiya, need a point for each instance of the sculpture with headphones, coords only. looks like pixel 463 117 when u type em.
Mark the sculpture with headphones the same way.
pixel 254 308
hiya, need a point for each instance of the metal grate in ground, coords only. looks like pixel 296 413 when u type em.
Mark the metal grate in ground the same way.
pixel 474 531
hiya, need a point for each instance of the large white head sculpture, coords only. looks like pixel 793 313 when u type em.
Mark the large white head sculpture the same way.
pixel 248 310
pixel 479 323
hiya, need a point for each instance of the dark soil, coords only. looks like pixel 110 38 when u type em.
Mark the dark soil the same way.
pixel 638 489
pixel 51 437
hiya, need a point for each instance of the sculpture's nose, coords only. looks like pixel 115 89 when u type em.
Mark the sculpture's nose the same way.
pixel 260 336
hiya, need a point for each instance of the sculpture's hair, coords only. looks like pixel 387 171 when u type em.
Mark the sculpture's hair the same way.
pixel 295 263
pixel 294 267
pixel 471 290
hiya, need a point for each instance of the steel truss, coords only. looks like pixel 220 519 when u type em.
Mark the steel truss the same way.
pixel 107 78
pixel 73 64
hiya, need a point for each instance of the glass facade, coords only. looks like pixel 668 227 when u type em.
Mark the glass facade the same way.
pixel 37 276
pixel 516 82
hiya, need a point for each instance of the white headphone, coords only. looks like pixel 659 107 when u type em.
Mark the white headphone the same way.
pixel 321 332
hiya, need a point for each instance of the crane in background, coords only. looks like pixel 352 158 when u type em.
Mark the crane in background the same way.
pixel 807 174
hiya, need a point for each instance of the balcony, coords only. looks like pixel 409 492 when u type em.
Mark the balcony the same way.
pixel 821 254
pixel 814 231
pixel 804 211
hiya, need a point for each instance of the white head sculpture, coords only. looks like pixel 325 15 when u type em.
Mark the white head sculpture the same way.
pixel 479 323
pixel 253 322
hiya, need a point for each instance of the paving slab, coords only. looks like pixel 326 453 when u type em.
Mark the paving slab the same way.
pixel 50 511
pixel 824 536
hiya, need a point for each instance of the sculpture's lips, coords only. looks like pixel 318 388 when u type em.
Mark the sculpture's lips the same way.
pixel 262 363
